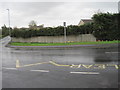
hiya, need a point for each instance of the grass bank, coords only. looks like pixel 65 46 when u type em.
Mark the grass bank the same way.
pixel 61 44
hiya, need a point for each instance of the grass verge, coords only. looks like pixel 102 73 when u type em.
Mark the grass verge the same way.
pixel 61 44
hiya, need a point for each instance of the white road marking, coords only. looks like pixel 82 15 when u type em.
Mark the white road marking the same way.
pixel 112 52
pixel 11 68
pixel 40 70
pixel 85 72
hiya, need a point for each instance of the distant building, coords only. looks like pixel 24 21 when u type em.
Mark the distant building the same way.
pixel 85 21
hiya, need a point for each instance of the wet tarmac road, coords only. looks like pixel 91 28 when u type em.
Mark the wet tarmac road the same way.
pixel 59 68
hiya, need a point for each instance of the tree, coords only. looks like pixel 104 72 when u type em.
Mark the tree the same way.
pixel 32 23
pixel 5 31
pixel 106 26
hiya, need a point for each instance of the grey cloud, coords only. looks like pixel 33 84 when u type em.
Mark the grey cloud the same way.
pixel 100 5
pixel 34 7
pixel 53 13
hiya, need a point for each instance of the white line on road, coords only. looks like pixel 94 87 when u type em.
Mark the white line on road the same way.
pixel 40 70
pixel 86 72
pixel 11 68
pixel 112 52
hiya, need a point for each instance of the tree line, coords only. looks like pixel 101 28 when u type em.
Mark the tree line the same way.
pixel 104 27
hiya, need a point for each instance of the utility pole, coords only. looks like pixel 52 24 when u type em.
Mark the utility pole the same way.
pixel 9 22
pixel 64 23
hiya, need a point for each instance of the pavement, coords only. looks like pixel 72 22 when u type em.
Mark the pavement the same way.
pixel 59 68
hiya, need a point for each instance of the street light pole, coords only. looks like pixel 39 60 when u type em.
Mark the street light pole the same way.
pixel 64 31
pixel 9 21
pixel 119 7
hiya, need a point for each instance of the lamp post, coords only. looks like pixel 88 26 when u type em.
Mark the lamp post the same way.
pixel 9 21
pixel 119 7
pixel 64 23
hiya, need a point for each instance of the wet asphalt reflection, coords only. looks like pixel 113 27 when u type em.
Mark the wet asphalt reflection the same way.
pixel 51 75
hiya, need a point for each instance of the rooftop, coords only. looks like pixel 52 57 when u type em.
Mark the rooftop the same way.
pixel 86 20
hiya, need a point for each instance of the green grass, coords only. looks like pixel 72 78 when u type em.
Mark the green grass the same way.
pixel 60 44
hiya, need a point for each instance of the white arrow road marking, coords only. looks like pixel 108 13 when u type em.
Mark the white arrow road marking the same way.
pixel 86 72
pixel 40 70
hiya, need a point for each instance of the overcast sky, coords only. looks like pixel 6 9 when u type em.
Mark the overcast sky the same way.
pixel 51 13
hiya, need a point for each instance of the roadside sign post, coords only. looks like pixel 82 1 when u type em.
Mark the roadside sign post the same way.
pixel 64 23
